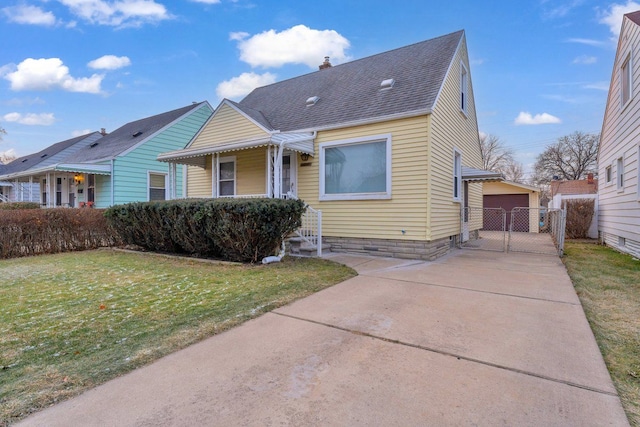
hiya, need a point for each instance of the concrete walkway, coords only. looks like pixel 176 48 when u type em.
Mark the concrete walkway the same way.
pixel 474 338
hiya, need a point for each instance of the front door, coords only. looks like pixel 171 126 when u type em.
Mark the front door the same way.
pixel 289 174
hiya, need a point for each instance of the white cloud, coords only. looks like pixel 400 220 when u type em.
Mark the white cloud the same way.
pixel 31 119
pixel 613 17
pixel 50 73
pixel 588 42
pixel 7 156
pixel 109 62
pixel 525 118
pixel 585 59
pixel 239 35
pixel 80 132
pixel 603 85
pixel 26 14
pixel 243 84
pixel 121 13
pixel 296 45
pixel 206 1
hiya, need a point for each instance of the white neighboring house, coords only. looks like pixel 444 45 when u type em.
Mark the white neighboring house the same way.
pixel 619 152
pixel 577 189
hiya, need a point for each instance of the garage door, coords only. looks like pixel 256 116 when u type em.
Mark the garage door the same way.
pixel 506 202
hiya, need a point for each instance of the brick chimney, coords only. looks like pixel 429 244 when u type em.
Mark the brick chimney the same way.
pixel 325 64
pixel 590 178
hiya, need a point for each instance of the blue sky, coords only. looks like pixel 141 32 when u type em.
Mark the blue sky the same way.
pixel 540 69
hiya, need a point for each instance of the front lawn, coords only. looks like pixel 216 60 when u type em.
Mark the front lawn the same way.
pixel 608 284
pixel 69 322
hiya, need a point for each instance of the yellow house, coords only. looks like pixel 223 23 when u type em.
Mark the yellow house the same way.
pixel 377 145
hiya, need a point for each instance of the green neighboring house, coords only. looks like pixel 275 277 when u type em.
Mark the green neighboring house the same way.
pixel 121 166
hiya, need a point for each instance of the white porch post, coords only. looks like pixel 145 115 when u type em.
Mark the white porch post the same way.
pixel 269 171
pixel 277 173
pixel 31 188
pixel 48 189
pixel 215 164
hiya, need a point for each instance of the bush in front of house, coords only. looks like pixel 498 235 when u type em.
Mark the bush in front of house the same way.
pixel 27 232
pixel 579 216
pixel 244 230
pixel 19 205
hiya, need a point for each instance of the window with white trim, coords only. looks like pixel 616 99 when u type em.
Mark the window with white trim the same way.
pixel 464 85
pixel 457 175
pixel 626 81
pixel 157 186
pixel 356 169
pixel 227 176
pixel 608 174
pixel 620 173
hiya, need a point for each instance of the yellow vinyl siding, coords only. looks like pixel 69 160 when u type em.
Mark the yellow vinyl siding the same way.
pixel 227 125
pixel 199 180
pixel 385 219
pixel 450 128
pixel 251 171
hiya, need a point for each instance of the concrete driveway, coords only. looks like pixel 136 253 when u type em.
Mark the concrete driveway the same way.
pixel 474 338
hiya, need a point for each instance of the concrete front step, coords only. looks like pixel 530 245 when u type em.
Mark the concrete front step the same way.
pixel 299 247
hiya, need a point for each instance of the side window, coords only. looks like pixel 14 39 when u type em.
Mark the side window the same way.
pixel 608 174
pixel 457 175
pixel 157 186
pixel 620 173
pixel 464 88
pixel 626 81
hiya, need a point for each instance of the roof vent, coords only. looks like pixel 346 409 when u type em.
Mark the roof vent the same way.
pixel 44 155
pixel 24 160
pixel 312 100
pixel 93 144
pixel 137 134
pixel 387 84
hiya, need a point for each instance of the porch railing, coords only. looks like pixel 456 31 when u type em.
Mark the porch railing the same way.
pixel 311 229
pixel 4 198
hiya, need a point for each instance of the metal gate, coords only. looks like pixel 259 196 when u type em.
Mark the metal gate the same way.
pixel 531 230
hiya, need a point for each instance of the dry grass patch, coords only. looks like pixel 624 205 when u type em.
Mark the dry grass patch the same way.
pixel 69 322
pixel 608 284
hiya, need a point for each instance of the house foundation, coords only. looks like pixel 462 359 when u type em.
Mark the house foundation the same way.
pixel 407 249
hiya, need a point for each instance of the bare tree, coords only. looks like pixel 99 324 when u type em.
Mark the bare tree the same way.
pixel 571 157
pixel 514 171
pixel 495 155
pixel 7 156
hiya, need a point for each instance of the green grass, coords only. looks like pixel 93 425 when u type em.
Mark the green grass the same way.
pixel 69 322
pixel 608 284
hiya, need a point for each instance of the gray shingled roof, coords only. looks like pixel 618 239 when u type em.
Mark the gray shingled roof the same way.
pixel 351 91
pixel 32 160
pixel 121 139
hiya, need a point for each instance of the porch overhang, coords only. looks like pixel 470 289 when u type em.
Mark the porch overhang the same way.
pixel 6 184
pixel 480 175
pixel 298 142
pixel 84 168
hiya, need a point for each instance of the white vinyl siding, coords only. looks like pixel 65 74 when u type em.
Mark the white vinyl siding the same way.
pixel 619 211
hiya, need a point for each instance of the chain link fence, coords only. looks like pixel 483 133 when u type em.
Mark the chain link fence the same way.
pixel 530 230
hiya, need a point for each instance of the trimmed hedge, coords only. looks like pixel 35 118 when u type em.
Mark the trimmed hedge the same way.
pixel 579 217
pixel 19 205
pixel 244 230
pixel 45 231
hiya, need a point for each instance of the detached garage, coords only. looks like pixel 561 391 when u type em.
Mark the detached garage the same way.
pixel 508 195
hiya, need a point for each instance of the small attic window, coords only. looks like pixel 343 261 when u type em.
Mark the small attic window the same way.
pixel 387 83
pixel 93 144
pixel 44 155
pixel 137 134
pixel 312 100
